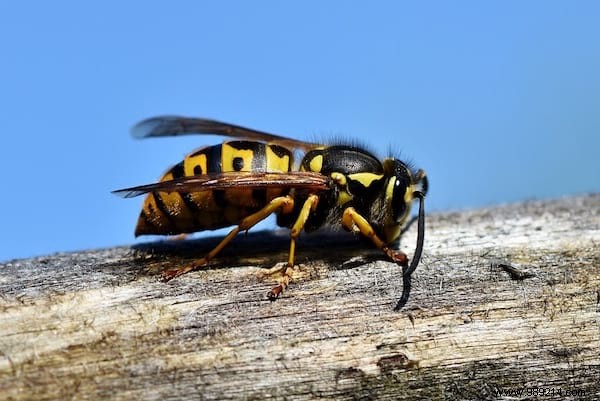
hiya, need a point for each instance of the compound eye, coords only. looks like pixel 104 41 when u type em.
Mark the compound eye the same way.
pixel 398 201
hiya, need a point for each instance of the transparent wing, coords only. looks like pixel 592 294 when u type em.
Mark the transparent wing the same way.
pixel 251 180
pixel 176 125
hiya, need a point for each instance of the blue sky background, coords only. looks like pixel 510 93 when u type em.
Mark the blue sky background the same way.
pixel 498 101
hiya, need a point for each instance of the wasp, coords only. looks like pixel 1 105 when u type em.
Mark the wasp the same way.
pixel 242 181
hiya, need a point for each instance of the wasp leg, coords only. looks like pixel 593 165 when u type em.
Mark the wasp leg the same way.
pixel 283 282
pixel 285 203
pixel 309 206
pixel 353 221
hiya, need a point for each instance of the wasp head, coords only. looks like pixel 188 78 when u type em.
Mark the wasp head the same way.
pixel 402 187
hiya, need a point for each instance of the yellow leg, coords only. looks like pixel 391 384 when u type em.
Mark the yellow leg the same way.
pixel 309 206
pixel 285 203
pixel 353 221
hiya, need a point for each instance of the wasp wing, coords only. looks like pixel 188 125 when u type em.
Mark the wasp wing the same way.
pixel 251 180
pixel 176 125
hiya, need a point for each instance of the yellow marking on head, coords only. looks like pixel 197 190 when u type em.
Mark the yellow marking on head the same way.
pixel 190 163
pixel 276 163
pixel 316 163
pixel 408 195
pixel 408 198
pixel 389 190
pixel 391 229
pixel 391 225
pixel 366 179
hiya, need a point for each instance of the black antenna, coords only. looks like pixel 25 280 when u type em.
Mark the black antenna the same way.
pixel 408 271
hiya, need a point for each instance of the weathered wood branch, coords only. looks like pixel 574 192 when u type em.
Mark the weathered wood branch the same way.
pixel 506 298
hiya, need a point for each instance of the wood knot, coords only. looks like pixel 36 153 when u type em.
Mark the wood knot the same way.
pixel 395 362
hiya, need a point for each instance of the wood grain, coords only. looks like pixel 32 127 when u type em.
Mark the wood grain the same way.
pixel 506 298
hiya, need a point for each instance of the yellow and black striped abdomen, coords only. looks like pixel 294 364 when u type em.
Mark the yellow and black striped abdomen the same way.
pixel 177 213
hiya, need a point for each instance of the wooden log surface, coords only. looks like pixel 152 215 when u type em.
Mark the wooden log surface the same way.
pixel 506 299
